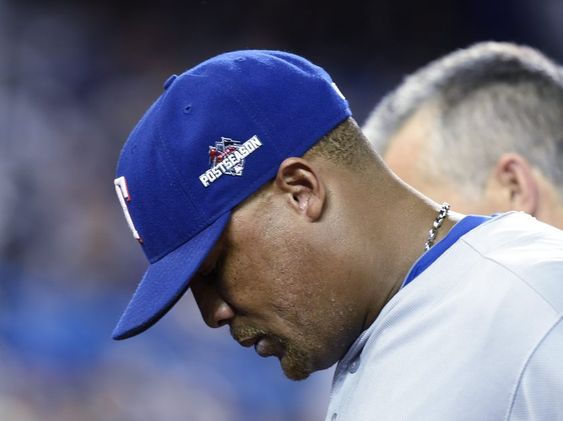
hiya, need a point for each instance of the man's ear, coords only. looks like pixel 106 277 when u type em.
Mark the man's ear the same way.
pixel 516 177
pixel 304 187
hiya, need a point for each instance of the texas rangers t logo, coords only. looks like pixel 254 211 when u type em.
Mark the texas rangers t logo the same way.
pixel 124 197
pixel 228 157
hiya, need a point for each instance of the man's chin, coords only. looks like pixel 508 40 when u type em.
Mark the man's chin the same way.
pixel 295 368
pixel 296 376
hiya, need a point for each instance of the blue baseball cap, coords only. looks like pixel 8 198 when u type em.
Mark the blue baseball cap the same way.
pixel 218 132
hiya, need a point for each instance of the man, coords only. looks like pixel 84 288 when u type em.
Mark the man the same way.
pixel 249 182
pixel 481 128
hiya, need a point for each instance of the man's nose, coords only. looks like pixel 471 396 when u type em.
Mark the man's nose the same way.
pixel 215 311
pixel 220 314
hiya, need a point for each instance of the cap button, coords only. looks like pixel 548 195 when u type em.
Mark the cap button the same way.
pixel 169 81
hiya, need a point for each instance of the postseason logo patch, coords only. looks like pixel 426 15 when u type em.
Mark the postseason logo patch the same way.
pixel 228 157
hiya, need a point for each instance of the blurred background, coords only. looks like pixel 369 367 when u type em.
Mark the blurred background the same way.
pixel 74 79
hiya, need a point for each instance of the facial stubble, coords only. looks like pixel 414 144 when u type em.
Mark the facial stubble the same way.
pixel 294 361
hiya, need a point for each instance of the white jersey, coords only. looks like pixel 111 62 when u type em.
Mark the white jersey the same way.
pixel 477 336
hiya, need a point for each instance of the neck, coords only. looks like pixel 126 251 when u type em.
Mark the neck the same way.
pixel 403 220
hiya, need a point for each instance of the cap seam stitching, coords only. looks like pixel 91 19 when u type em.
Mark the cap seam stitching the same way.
pixel 174 167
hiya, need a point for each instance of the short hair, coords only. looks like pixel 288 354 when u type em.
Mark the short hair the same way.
pixel 489 99
pixel 345 145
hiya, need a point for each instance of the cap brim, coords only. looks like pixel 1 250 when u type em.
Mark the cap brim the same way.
pixel 166 280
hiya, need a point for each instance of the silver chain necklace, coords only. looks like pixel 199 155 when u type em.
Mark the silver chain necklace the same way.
pixel 442 214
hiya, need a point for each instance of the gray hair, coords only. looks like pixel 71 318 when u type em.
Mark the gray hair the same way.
pixel 490 98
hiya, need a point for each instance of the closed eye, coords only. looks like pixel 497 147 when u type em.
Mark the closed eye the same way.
pixel 211 271
pixel 214 261
pixel 205 270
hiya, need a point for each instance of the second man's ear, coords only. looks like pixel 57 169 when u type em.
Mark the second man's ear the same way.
pixel 516 177
pixel 304 187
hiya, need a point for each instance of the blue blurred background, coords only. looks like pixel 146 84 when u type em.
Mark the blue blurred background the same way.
pixel 74 79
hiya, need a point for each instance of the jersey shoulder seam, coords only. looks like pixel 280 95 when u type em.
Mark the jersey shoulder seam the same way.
pixel 518 276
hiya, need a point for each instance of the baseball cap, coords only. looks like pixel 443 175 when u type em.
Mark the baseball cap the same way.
pixel 216 134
